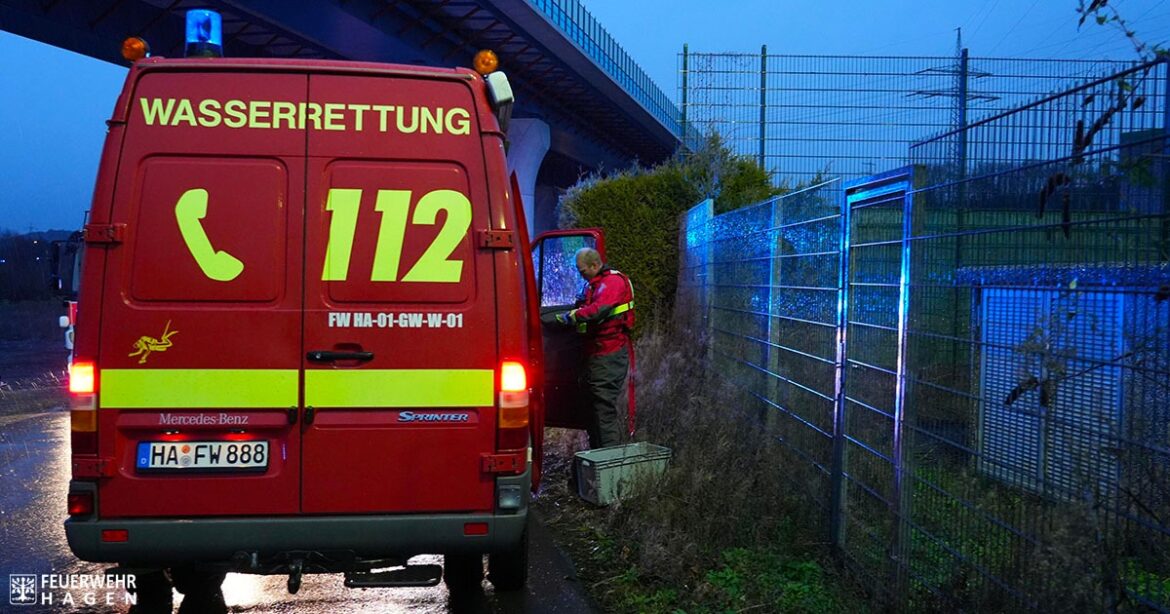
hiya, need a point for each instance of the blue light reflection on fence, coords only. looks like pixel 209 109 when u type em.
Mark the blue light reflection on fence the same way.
pixel 999 419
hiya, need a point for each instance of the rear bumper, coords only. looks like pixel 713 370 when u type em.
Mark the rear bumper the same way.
pixel 171 541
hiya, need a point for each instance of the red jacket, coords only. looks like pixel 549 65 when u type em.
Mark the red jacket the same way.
pixel 608 332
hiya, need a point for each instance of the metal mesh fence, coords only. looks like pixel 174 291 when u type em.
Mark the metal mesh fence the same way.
pixel 850 116
pixel 765 280
pixel 972 353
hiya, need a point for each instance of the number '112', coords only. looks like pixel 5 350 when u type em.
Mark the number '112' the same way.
pixel 435 265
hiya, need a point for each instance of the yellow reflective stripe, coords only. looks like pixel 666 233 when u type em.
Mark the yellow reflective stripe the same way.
pixel 400 388
pixel 197 388
pixel 583 327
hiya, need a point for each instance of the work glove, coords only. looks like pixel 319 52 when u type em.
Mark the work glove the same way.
pixel 567 318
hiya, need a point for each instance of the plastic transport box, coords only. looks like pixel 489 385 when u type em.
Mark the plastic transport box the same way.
pixel 605 474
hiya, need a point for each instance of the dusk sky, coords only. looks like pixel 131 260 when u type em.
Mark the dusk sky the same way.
pixel 53 103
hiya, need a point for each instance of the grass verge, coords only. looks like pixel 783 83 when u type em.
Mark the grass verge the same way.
pixel 721 531
pixel 32 400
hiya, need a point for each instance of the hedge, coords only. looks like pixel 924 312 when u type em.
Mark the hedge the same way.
pixel 640 208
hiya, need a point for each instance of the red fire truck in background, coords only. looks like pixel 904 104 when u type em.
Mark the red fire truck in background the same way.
pixel 66 267
pixel 308 336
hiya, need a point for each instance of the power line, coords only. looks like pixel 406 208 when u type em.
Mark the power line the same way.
pixel 855 109
pixel 1013 28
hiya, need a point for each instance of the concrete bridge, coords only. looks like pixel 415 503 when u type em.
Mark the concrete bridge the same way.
pixel 582 103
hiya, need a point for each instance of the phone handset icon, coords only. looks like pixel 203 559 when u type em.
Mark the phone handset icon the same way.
pixel 189 213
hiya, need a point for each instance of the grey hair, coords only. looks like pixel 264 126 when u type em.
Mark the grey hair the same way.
pixel 589 256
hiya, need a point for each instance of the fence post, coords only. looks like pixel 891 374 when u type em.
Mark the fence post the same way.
pixel 960 205
pixel 837 470
pixel 709 229
pixel 775 279
pixel 903 493
pixel 961 154
pixel 685 59
pixel 763 100
pixel 961 146
pixel 1164 249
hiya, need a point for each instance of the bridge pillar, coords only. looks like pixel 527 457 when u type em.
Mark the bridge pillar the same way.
pixel 528 142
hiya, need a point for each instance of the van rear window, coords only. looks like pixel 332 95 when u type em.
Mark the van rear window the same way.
pixel 556 268
pixel 209 230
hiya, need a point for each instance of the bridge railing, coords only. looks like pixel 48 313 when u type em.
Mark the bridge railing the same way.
pixel 581 27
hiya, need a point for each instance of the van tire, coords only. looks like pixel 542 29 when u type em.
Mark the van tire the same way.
pixel 462 573
pixel 508 571
pixel 153 593
pixel 201 589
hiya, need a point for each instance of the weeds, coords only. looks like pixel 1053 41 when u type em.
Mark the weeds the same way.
pixel 722 530
pixel 766 580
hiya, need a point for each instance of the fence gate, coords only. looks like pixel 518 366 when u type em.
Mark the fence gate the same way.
pixel 870 494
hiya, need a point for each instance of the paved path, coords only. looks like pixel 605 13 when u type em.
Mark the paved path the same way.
pixel 34 477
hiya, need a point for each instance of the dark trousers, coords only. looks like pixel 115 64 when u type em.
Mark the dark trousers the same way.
pixel 604 376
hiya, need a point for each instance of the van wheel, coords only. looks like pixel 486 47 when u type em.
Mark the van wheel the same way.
pixel 462 573
pixel 508 571
pixel 201 590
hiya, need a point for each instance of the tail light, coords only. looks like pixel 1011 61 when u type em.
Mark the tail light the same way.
pixel 82 414
pixel 81 378
pixel 513 378
pixel 80 503
pixel 513 407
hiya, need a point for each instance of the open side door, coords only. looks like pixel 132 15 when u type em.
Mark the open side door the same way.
pixel 560 287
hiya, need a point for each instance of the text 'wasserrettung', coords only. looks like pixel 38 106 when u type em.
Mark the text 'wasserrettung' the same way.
pixel 277 114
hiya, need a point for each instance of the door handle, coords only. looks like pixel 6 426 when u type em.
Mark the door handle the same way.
pixel 292 415
pixel 309 413
pixel 329 356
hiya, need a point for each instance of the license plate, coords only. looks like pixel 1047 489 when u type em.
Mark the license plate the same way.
pixel 202 456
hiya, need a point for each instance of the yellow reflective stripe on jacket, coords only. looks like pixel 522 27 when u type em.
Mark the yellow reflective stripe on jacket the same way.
pixel 400 388
pixel 197 388
pixel 583 327
pixel 624 307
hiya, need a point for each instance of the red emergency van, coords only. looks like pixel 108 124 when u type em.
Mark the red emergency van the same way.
pixel 309 336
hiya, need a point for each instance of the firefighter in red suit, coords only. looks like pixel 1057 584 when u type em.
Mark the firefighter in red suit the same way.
pixel 606 317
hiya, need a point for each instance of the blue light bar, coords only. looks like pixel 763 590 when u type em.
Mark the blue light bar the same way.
pixel 204 34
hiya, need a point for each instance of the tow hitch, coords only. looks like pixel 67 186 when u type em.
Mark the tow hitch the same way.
pixel 296 570
pixel 359 573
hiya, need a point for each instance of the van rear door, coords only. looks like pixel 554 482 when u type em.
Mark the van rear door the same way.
pixel 400 319
pixel 200 315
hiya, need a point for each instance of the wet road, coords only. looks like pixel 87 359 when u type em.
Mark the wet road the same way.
pixel 34 477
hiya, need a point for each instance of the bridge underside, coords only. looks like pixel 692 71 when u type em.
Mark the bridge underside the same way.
pixel 590 122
